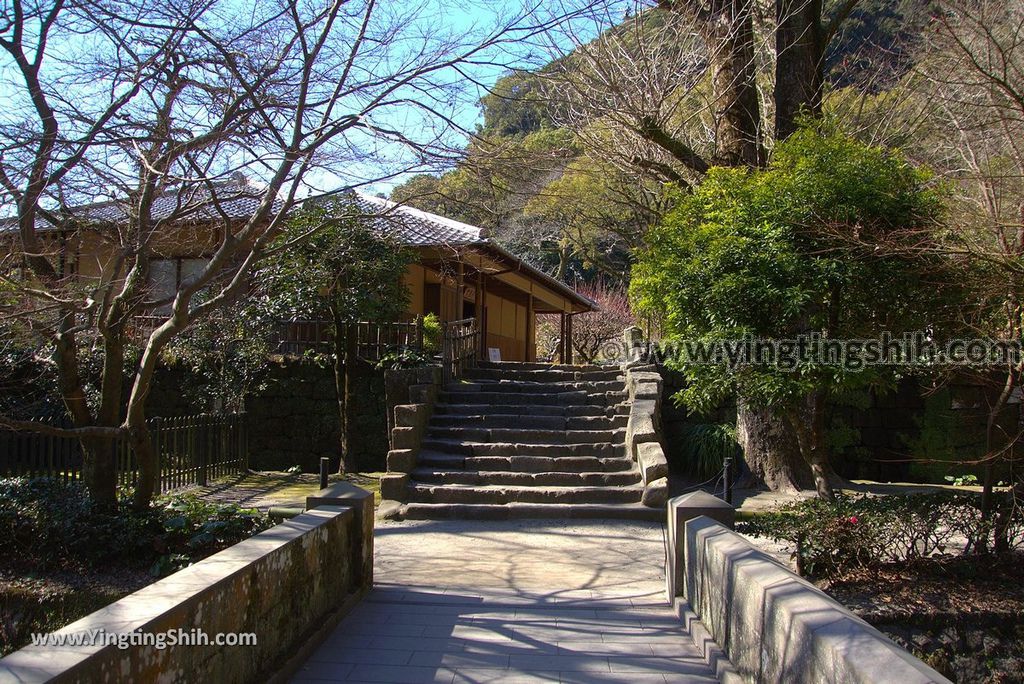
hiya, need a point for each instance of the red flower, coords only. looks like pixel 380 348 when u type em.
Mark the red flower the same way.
pixel 853 520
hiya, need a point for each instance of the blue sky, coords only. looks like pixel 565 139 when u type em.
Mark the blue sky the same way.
pixel 432 20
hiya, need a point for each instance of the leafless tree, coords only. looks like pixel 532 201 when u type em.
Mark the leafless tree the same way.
pixel 971 75
pixel 171 114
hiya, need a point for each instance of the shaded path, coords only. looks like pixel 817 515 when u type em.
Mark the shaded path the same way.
pixel 512 601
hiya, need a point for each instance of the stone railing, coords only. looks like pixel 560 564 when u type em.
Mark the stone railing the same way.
pixel 284 589
pixel 756 621
pixel 412 395
pixel 643 432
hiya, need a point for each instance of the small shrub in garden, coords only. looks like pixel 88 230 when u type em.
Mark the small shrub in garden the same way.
pixel 833 537
pixel 47 524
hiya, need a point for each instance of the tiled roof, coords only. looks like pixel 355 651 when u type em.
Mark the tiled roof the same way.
pixel 413 227
pixel 418 228
pixel 236 202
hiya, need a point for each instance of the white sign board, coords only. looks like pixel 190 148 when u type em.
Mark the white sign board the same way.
pixel 493 354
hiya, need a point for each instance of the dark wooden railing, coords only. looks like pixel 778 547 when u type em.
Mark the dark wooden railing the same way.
pixel 460 348
pixel 373 339
pixel 192 451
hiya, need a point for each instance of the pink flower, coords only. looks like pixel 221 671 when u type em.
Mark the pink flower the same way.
pixel 853 520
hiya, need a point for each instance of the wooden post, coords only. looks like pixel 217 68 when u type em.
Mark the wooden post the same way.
pixel 531 331
pixel 561 337
pixel 482 318
pixel 568 338
pixel 460 284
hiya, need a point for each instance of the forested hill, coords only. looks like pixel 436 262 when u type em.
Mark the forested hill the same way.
pixel 531 174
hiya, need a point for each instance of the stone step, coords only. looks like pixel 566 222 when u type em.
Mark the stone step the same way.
pixel 575 398
pixel 525 479
pixel 585 410
pixel 528 435
pixel 527 421
pixel 515 511
pixel 471 448
pixel 545 375
pixel 504 494
pixel 526 464
pixel 590 387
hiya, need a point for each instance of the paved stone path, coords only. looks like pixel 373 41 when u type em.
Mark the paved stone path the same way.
pixel 512 601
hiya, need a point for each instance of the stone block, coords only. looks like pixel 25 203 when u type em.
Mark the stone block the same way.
pixel 651 459
pixel 680 510
pixel 405 438
pixel 655 493
pixel 639 429
pixel 348 495
pixel 280 585
pixel 423 394
pixel 394 486
pixel 412 415
pixel 401 460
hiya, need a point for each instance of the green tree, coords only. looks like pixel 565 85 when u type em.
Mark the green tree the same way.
pixel 769 254
pixel 349 269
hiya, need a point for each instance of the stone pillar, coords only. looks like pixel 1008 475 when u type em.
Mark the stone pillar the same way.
pixel 681 509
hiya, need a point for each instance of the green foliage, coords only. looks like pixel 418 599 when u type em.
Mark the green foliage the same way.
pixel 47 523
pixel 833 537
pixel 349 267
pixel 516 105
pixel 404 358
pixel 962 480
pixel 432 332
pixel 226 354
pixel 705 447
pixel 194 528
pixel 785 251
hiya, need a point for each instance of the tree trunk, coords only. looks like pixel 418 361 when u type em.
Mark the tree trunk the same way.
pixel 809 425
pixel 99 471
pixel 141 443
pixel 728 30
pixel 771 449
pixel 799 55
pixel 349 460
pixel 988 478
pixel 345 352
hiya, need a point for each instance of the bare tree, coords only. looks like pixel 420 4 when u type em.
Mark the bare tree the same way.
pixel 971 78
pixel 129 124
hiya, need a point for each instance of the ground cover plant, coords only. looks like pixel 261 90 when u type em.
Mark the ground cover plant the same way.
pixel 63 556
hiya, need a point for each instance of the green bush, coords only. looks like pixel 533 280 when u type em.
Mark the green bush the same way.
pixel 833 537
pixel 431 333
pixel 705 447
pixel 47 523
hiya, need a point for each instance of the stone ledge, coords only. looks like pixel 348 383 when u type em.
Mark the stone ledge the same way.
pixel 279 585
pixel 775 626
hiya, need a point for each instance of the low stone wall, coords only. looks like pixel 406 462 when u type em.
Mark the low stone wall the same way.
pixel 759 622
pixel 282 585
pixel 643 432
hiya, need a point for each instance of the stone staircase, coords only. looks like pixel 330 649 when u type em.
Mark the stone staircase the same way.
pixel 526 440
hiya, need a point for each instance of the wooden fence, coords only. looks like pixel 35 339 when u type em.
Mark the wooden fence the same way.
pixel 460 348
pixel 192 451
pixel 373 339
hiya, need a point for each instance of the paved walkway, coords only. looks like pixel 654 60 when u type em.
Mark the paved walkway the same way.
pixel 512 601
